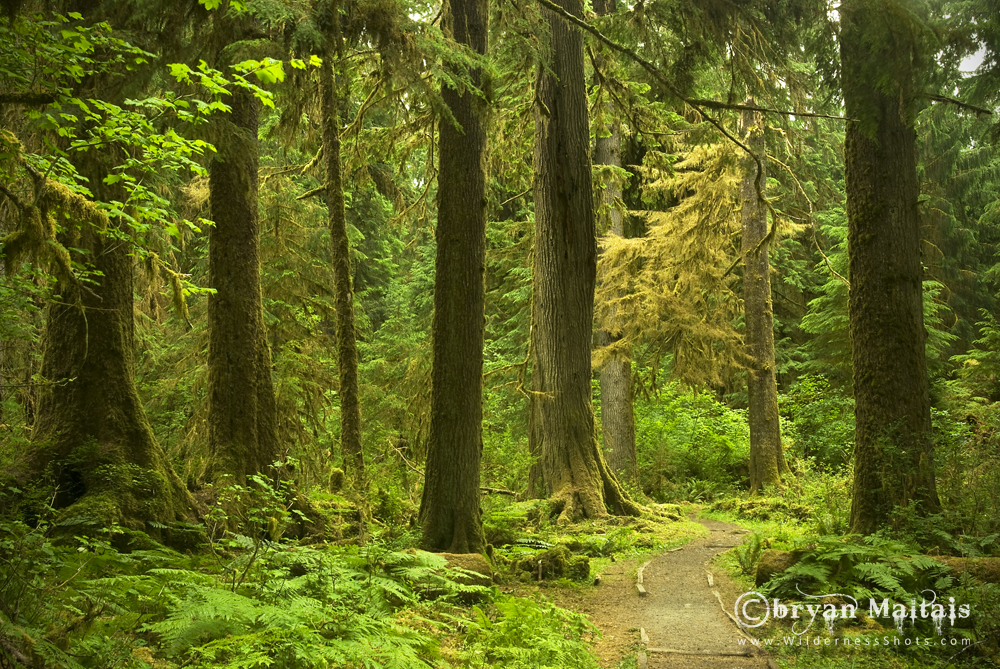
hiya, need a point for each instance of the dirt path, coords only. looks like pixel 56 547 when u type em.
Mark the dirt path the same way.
pixel 678 613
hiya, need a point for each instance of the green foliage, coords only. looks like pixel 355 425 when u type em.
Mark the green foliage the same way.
pixel 874 567
pixel 683 434
pixel 968 465
pixel 979 368
pixel 304 607
pixel 84 604
pixel 519 633
pixel 748 553
pixel 819 422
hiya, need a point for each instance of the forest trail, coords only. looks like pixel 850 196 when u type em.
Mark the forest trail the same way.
pixel 680 611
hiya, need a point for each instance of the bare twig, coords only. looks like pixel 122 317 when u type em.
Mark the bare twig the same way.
pixel 409 464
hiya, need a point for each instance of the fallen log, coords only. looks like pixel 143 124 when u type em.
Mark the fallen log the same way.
pixel 986 570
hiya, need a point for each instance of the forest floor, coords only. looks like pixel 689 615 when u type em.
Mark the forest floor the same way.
pixel 680 611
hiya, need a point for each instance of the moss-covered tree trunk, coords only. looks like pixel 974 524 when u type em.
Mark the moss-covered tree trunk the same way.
pixel 91 438
pixel 347 346
pixel 617 415
pixel 449 510
pixel 893 459
pixel 571 467
pixel 767 459
pixel 242 412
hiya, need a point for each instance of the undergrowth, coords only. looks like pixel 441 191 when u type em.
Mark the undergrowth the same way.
pixel 252 599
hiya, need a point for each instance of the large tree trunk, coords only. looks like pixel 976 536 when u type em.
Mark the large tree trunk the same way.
pixel 91 438
pixel 767 459
pixel 242 412
pixel 893 459
pixel 571 466
pixel 347 346
pixel 449 509
pixel 617 415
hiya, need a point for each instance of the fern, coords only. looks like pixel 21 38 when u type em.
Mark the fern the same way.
pixel 872 566
pixel 522 633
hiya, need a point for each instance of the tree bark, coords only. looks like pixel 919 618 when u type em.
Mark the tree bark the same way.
pixel 449 510
pixel 617 415
pixel 347 346
pixel 893 459
pixel 571 467
pixel 242 411
pixel 767 459
pixel 91 438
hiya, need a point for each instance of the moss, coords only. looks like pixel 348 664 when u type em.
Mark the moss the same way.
pixel 557 562
pixel 767 508
pixel 336 480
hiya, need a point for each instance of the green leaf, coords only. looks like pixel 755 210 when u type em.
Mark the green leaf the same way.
pixel 180 72
pixel 273 72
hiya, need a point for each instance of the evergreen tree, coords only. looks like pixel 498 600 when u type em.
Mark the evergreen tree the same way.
pixel 449 509
pixel 617 415
pixel 881 52
pixel 242 413
pixel 571 468
pixel 82 212
pixel 347 348
pixel 767 458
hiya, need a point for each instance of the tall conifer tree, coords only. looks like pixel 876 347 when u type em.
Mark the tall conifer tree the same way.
pixel 571 469
pixel 449 510
pixel 242 412
pixel 881 54
pixel 767 459
pixel 347 345
pixel 617 415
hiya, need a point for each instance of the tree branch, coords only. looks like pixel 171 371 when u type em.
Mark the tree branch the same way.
pixel 310 193
pixel 16 653
pixel 27 98
pixel 498 491
pixel 13 198
pixel 958 103
pixel 712 104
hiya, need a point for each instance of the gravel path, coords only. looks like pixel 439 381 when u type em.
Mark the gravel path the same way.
pixel 681 612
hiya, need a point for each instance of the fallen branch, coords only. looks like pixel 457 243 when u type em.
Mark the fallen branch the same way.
pixel 16 653
pixel 638 579
pixel 498 491
pixel 27 98
pixel 739 628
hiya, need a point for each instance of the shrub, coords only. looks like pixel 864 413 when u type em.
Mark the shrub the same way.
pixel 819 422
pixel 682 435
